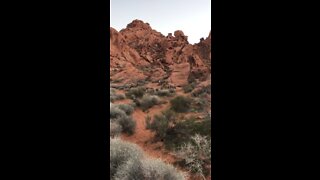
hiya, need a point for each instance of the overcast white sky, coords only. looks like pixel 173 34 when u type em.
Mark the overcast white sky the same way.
pixel 193 17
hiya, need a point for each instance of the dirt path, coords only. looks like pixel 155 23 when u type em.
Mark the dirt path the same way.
pixel 143 136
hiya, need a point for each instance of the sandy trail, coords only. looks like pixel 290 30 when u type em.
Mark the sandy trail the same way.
pixel 143 136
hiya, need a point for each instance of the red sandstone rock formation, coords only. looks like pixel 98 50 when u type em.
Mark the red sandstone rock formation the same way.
pixel 140 53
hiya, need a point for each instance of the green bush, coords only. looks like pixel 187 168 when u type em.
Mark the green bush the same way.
pixel 161 123
pixel 181 104
pixel 183 130
pixel 137 92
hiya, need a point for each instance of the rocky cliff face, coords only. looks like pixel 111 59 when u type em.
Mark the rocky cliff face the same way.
pixel 138 53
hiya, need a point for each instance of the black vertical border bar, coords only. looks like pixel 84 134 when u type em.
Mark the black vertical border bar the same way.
pixel 217 89
pixel 103 84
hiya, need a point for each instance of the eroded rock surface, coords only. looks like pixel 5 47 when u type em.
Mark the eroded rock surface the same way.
pixel 140 53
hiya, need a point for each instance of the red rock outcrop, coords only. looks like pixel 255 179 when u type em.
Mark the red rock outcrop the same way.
pixel 140 53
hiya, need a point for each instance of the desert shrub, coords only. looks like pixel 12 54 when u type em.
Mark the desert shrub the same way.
pixel 128 124
pixel 183 130
pixel 200 104
pixel 127 163
pixel 114 96
pixel 125 121
pixel 169 114
pixel 148 122
pixel 196 155
pixel 130 170
pixel 202 91
pixel 121 153
pixel 128 109
pixel 115 112
pixel 137 92
pixel 115 129
pixel 155 169
pixel 141 82
pixel 189 87
pixel 161 123
pixel 148 101
pixel 165 92
pixel 175 133
pixel 192 78
pixel 181 104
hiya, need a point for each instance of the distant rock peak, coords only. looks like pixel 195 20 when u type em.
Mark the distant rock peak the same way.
pixel 139 24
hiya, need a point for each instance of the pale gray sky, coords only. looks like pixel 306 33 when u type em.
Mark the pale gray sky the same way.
pixel 193 17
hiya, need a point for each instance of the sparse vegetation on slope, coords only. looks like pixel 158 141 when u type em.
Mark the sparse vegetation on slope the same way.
pixel 165 82
pixel 128 163
pixel 120 114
